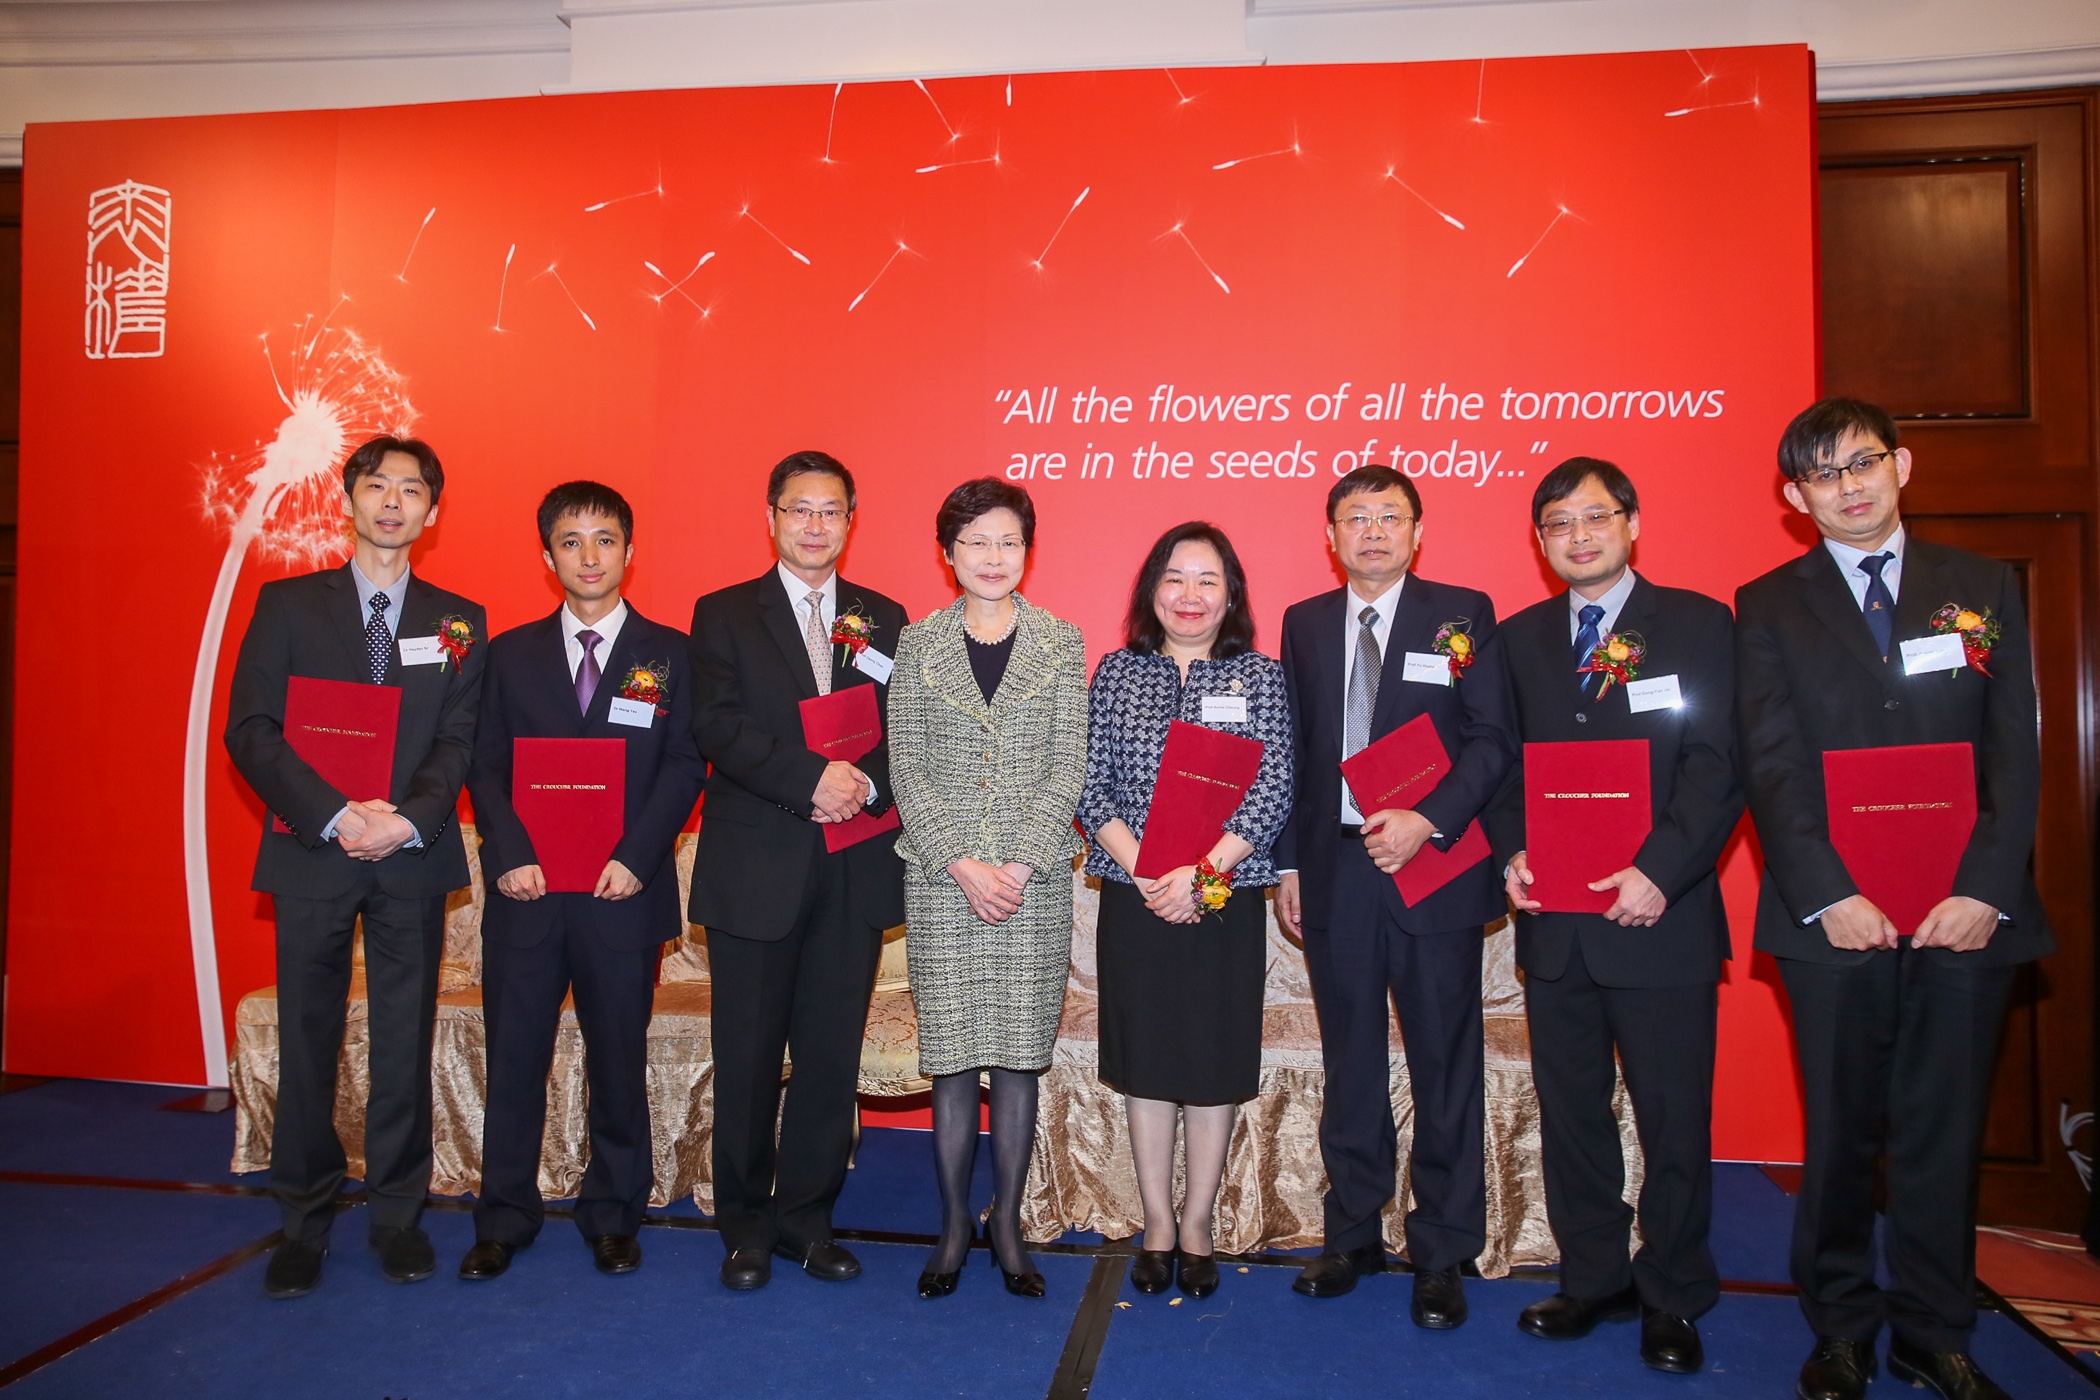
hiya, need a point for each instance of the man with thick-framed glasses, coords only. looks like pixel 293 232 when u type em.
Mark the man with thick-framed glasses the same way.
pixel 1896 1027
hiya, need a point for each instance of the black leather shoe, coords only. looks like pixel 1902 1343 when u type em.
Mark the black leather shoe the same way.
pixel 295 1269
pixel 486 1260
pixel 1950 1374
pixel 747 1269
pixel 616 1254
pixel 1332 1275
pixel 1440 1299
pixel 404 1251
pixel 1028 1285
pixel 830 1261
pixel 1836 1370
pixel 1670 1343
pixel 933 1285
pixel 1152 1271
pixel 1199 1274
pixel 1564 1318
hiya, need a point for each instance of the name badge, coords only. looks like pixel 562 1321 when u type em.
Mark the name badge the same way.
pixel 422 651
pixel 874 663
pixel 1224 709
pixel 1654 693
pixel 639 713
pixel 1940 652
pixel 1426 667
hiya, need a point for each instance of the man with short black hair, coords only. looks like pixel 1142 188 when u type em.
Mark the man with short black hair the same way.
pixel 1634 986
pixel 339 863
pixel 594 669
pixel 1896 1028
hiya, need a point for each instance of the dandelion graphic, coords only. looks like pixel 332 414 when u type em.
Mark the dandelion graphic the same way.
pixel 285 502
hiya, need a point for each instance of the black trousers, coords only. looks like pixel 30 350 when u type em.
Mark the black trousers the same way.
pixel 805 997
pixel 1896 1057
pixel 1434 982
pixel 522 991
pixel 404 942
pixel 1664 1038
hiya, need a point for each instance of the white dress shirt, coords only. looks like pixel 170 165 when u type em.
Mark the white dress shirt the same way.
pixel 608 630
pixel 1856 578
pixel 1386 604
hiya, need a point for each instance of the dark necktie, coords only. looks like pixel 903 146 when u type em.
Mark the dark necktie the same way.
pixel 1362 697
pixel 378 641
pixel 587 673
pixel 1586 642
pixel 1879 605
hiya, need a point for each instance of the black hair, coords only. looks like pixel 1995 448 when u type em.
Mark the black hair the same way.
pixel 365 462
pixel 814 464
pixel 1142 632
pixel 979 496
pixel 1811 439
pixel 1372 478
pixel 1567 478
pixel 583 498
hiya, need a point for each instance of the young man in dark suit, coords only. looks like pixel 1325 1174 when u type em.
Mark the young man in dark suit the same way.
pixel 793 931
pixel 1896 1028
pixel 388 863
pixel 594 669
pixel 1640 978
pixel 1360 662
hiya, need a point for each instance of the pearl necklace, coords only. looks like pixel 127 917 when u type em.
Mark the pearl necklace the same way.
pixel 1011 624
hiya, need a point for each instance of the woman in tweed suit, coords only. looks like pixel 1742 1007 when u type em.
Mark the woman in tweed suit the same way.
pixel 987 721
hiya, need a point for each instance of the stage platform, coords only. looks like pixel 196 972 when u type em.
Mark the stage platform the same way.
pixel 135 1259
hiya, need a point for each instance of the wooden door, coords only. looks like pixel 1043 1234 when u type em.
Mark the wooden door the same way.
pixel 1958 292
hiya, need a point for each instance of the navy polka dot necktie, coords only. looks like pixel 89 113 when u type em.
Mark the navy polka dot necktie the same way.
pixel 377 639
pixel 1586 638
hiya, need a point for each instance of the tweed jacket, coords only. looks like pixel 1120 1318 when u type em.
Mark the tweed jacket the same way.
pixel 997 782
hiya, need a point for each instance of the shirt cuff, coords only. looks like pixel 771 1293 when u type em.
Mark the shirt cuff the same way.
pixel 328 831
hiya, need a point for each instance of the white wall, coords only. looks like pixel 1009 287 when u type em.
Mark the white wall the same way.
pixel 69 60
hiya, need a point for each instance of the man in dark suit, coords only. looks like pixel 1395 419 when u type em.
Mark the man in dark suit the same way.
pixel 793 931
pixel 1360 662
pixel 388 863
pixel 594 669
pixel 1640 978
pixel 1896 1028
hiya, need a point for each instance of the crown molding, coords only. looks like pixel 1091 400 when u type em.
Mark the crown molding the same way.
pixel 163 33
pixel 1855 80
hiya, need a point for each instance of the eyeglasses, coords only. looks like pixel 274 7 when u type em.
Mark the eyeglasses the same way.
pixel 985 544
pixel 1357 524
pixel 1861 467
pixel 802 515
pixel 1561 525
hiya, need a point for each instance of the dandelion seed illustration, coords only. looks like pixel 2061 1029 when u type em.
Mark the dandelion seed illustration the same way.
pixel 1179 231
pixel 1290 150
pixel 1185 98
pixel 1037 264
pixel 895 253
pixel 402 275
pixel 992 159
pixel 656 189
pixel 554 272
pixel 1480 95
pixel 678 287
pixel 1755 99
pixel 504 286
pixel 1705 74
pixel 1009 89
pixel 1562 213
pixel 1390 174
pixel 832 126
pixel 285 502
pixel 953 134
pixel 797 255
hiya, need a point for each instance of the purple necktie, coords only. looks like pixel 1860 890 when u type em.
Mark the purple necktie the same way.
pixel 587 673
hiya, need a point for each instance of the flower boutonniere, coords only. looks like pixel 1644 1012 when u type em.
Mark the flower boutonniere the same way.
pixel 1977 629
pixel 1454 641
pixel 647 684
pixel 852 631
pixel 1213 886
pixel 456 635
pixel 1616 657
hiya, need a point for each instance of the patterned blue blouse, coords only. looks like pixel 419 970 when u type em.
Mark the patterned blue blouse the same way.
pixel 1129 706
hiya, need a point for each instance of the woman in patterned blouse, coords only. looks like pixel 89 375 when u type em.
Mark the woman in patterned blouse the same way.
pixel 1181 991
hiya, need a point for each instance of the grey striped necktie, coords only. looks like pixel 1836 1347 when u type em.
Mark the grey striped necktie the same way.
pixel 818 642
pixel 1363 685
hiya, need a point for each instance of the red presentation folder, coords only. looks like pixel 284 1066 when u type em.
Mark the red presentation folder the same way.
pixel 1203 777
pixel 1399 771
pixel 572 796
pixel 345 732
pixel 843 726
pixel 1900 818
pixel 1586 813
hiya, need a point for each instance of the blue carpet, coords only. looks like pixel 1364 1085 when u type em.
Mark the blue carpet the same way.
pixel 1753 1220
pixel 554 1327
pixel 891 1186
pixel 75 1253
pixel 87 1127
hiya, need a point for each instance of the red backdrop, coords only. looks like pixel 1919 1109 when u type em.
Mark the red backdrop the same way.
pixel 670 291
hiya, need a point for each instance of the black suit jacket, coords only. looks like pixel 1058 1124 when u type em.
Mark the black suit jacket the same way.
pixel 529 694
pixel 312 626
pixel 757 842
pixel 1808 679
pixel 1694 795
pixel 1472 716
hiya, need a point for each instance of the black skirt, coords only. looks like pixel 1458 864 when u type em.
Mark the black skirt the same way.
pixel 1181 1003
